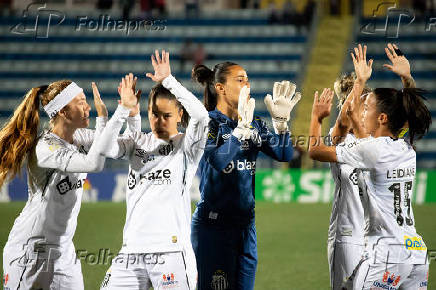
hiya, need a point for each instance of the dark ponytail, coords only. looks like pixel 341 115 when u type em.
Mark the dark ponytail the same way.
pixel 208 78
pixel 418 115
pixel 403 106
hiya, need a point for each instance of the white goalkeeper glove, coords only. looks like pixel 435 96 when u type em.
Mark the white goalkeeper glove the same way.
pixel 245 112
pixel 281 103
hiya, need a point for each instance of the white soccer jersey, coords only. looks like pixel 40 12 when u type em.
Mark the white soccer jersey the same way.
pixel 346 220
pixel 55 186
pixel 160 175
pixel 386 174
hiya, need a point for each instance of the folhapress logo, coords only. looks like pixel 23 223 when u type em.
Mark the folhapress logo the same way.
pixel 240 166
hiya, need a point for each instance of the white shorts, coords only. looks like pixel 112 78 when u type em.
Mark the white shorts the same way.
pixel 343 259
pixel 171 270
pixel 23 271
pixel 390 276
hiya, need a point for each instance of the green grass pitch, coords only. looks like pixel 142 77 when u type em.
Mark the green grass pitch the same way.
pixel 291 240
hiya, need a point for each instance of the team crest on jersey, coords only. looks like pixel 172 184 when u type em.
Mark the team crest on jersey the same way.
pixel 169 281
pixel 143 155
pixel 66 185
pixel 353 176
pixel 82 149
pixel 131 180
pixel 245 144
pixel 219 281
pixel 166 149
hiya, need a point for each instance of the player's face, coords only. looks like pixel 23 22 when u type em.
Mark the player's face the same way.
pixel 164 115
pixel 236 79
pixel 370 115
pixel 76 113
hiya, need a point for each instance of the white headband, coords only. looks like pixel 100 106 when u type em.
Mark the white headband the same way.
pixel 62 99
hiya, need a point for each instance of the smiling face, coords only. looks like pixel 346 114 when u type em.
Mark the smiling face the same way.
pixel 229 91
pixel 76 113
pixel 164 116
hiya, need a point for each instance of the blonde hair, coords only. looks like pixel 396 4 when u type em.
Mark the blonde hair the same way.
pixel 18 136
pixel 343 86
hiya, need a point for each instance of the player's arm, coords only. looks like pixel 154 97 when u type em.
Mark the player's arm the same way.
pixel 320 109
pixel 277 146
pixel 220 153
pixel 399 65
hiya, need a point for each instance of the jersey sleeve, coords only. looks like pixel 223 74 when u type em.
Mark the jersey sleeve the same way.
pixel 85 137
pixel 277 146
pixel 359 154
pixel 133 125
pixel 219 153
pixel 196 132
pixel 51 153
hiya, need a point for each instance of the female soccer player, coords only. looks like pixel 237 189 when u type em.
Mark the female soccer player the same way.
pixel 395 255
pixel 223 228
pixel 156 248
pixel 345 239
pixel 39 253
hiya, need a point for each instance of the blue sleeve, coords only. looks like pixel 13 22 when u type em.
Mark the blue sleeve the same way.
pixel 219 153
pixel 277 146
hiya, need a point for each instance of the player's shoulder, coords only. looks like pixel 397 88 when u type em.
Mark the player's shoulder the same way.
pixel 48 141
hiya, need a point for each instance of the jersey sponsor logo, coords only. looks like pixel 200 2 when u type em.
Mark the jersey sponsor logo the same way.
pixel 414 243
pixel 353 176
pixel 389 281
pixel 5 279
pixel 166 149
pixel 82 149
pixel 66 185
pixel 131 180
pixel 143 155
pixel 219 281
pixel 169 281
pixel 241 166
pixel 226 136
pixel 106 279
pixel 158 177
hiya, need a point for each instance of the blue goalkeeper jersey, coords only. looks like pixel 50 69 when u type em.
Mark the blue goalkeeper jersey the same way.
pixel 227 168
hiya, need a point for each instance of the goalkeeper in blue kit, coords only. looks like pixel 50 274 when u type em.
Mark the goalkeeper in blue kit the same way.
pixel 223 226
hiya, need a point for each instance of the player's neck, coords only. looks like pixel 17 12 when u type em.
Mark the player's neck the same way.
pixel 228 110
pixel 383 131
pixel 64 131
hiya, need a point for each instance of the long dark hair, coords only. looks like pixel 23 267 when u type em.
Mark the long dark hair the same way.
pixel 159 91
pixel 406 105
pixel 208 78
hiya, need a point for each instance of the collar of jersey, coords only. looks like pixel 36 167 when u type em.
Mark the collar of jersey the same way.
pixel 221 117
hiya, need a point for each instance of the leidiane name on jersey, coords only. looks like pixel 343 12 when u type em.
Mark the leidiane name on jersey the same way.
pixel 400 173
pixel 66 185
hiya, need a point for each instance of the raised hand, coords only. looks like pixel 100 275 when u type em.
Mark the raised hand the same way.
pixel 98 102
pixel 281 104
pixel 322 105
pixel 400 65
pixel 161 66
pixel 245 114
pixel 127 92
pixel 362 69
pixel 245 107
pixel 135 111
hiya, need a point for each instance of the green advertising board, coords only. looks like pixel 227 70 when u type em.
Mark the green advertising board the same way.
pixel 306 186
